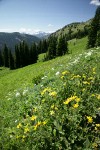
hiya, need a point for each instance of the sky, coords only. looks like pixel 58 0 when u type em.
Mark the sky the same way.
pixel 30 16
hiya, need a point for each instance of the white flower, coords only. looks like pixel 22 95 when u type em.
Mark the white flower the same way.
pixel 24 92
pixel 88 54
pixel 57 73
pixel 44 77
pixel 16 121
pixel 52 68
pixel 17 94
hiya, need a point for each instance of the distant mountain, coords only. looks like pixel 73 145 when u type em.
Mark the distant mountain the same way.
pixel 41 34
pixel 11 39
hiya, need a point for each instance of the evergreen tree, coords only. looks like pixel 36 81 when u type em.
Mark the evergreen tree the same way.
pixel 95 27
pixel 5 56
pixel 21 54
pixel 98 39
pixel 62 47
pixel 11 60
pixel 17 57
pixel 44 46
pixel 1 59
pixel 26 53
pixel 33 54
pixel 51 53
pixel 39 47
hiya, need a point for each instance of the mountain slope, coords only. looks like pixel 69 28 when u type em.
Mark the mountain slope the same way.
pixel 73 29
pixel 11 39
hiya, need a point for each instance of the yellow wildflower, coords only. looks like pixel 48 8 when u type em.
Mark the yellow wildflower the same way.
pixel 97 125
pixel 53 94
pixel 77 99
pixel 26 130
pixel 89 118
pixel 44 122
pixel 98 96
pixel 96 128
pixel 54 107
pixel 91 78
pixel 77 76
pixel 94 69
pixel 33 118
pixel 83 89
pixel 52 112
pixel 67 101
pixel 76 105
pixel 46 90
pixel 38 124
pixel 62 77
pixel 92 95
pixel 23 136
pixel 84 76
pixel 65 72
pixel 72 98
pixel 94 145
pixel 19 125
pixel 18 136
pixel 85 82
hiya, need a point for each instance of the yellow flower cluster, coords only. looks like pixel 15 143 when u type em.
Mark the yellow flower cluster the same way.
pixel 19 125
pixel 98 96
pixel 86 82
pixel 54 107
pixel 90 119
pixel 33 118
pixel 76 76
pixel 39 123
pixel 76 105
pixel 65 72
pixel 75 98
pixel 46 90
pixel 53 94
pixel 26 129
pixel 97 127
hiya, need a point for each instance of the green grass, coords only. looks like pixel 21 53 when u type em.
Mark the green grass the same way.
pixel 55 105
pixel 20 78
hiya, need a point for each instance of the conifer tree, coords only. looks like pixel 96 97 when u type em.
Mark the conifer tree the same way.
pixel 52 48
pixel 17 57
pixel 98 39
pixel 11 60
pixel 1 59
pixel 62 46
pixel 5 56
pixel 33 54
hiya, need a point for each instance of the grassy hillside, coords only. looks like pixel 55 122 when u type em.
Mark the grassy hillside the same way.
pixel 56 104
pixel 12 80
pixel 74 27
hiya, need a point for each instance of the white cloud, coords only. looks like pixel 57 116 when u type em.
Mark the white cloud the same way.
pixel 28 30
pixel 50 25
pixel 95 2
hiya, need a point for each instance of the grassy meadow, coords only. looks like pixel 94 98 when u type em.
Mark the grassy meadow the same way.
pixel 52 105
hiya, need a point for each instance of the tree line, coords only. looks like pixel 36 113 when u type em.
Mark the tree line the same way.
pixel 22 56
pixel 25 54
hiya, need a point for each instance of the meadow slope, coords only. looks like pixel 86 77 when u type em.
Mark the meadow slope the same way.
pixel 20 78
pixel 53 105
